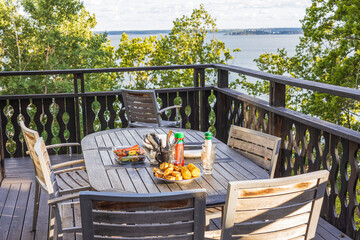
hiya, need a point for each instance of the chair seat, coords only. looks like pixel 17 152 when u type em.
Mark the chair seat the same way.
pixel 163 123
pixel 74 180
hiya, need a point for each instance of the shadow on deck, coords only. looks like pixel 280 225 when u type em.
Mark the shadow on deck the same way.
pixel 16 206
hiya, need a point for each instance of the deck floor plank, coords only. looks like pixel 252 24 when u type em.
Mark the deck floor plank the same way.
pixel 27 233
pixel 19 213
pixel 43 218
pixel 17 198
pixel 8 211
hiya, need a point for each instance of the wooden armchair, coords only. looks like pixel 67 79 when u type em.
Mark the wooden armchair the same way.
pixel 261 148
pixel 59 204
pixel 174 215
pixel 142 109
pixel 72 174
pixel 281 208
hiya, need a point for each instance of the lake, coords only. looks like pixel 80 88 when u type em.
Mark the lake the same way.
pixel 252 46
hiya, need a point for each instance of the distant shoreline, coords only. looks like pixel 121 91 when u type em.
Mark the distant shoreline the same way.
pixel 250 31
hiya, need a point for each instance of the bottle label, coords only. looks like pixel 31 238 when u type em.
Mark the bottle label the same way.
pixel 179 154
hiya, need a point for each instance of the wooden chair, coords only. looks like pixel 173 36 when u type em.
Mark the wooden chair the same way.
pixel 142 109
pixel 73 179
pixel 281 208
pixel 60 205
pixel 174 215
pixel 261 148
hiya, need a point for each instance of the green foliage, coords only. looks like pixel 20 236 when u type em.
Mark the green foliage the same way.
pixel 184 45
pixel 47 35
pixel 328 52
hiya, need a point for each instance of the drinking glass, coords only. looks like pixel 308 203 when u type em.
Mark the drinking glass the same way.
pixel 152 157
pixel 208 159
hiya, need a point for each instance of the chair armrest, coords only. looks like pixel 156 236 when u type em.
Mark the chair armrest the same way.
pixel 168 108
pixel 70 170
pixel 63 198
pixel 63 145
pixel 68 163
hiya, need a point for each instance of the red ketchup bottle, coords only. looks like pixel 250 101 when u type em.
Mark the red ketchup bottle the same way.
pixel 179 149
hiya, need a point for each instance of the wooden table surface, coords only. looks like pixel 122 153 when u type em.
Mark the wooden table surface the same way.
pixel 105 173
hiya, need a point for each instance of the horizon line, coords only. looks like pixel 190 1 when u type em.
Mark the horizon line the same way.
pixel 222 29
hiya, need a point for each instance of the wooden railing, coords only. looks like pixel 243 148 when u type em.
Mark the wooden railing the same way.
pixel 308 144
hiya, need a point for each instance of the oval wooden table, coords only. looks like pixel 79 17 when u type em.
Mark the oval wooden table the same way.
pixel 106 174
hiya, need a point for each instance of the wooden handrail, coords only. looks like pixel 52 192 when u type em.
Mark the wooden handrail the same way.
pixel 299 117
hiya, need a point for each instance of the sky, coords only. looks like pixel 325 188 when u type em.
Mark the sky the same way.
pixel 230 14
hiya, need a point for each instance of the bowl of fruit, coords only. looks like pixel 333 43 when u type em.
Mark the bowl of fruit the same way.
pixel 129 154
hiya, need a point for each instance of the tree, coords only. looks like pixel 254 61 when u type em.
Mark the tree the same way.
pixel 328 52
pixel 185 44
pixel 136 52
pixel 47 35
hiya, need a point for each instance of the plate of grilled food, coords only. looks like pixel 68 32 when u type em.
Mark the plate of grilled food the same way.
pixel 169 172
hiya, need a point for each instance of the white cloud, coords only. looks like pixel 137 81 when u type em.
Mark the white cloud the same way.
pixel 159 14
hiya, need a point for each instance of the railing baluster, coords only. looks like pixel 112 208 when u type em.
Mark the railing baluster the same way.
pixel 90 115
pixel 101 115
pixel 184 102
pixel 124 121
pixel 4 121
pixel 49 119
pixel 71 125
pixel 172 97
pixel 110 101
pixel 164 100
pixel 59 118
pixel 16 106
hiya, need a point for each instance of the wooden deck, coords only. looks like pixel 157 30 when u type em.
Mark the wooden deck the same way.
pixel 16 207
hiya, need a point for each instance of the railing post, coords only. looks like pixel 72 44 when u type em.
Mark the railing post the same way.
pixel 204 113
pixel 277 99
pixel 222 107
pixel 83 105
pixel 196 104
pixel 77 107
pixel 2 159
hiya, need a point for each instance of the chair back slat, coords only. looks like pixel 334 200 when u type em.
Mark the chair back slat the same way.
pixel 47 171
pixel 177 215
pixel 142 230
pixel 31 137
pixel 278 235
pixel 141 106
pixel 275 213
pixel 274 201
pixel 261 148
pixel 142 217
pixel 262 209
